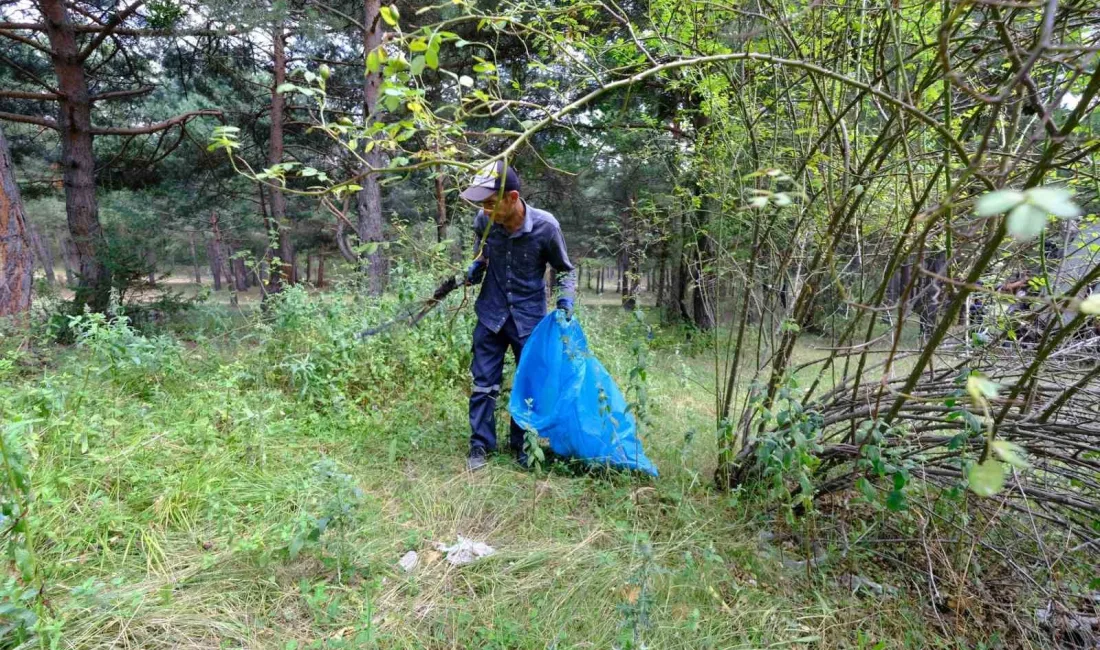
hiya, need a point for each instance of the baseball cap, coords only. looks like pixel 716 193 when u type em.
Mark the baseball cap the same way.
pixel 486 182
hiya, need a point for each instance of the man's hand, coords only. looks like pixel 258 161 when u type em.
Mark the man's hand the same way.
pixel 474 272
pixel 565 305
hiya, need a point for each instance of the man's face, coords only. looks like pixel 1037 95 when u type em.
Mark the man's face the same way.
pixel 500 208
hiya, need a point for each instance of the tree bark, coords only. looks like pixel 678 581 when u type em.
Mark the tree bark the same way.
pixel 43 253
pixel 67 256
pixel 217 264
pixel 309 263
pixel 370 226
pixel 630 263
pixel 194 257
pixel 212 253
pixel 151 260
pixel 282 273
pixel 240 273
pixel 16 258
pixel 77 159
pixel 321 270
pixel 440 209
pixel 702 298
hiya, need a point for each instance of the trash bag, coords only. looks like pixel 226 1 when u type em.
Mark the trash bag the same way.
pixel 566 395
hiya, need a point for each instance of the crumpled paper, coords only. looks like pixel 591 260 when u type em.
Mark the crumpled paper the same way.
pixel 408 561
pixel 465 551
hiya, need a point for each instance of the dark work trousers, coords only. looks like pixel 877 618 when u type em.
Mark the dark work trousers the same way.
pixel 488 370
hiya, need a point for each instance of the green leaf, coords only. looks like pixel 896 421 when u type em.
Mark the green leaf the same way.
pixel 419 45
pixel 988 478
pixel 390 15
pixel 374 64
pixel 1010 453
pixel 866 489
pixel 417 65
pixel 998 202
pixel 980 388
pixel 1055 200
pixel 432 56
pixel 466 81
pixel 1090 306
pixel 392 103
pixel 296 545
pixel 285 88
pixel 895 501
pixel 1026 221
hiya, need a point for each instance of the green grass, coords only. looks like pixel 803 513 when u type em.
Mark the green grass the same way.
pixel 168 499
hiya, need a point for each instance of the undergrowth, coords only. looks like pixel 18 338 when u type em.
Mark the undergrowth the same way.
pixel 250 481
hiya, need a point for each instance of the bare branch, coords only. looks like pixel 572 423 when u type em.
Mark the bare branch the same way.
pixel 25 40
pixel 108 29
pixel 29 119
pixel 40 97
pixel 119 94
pixel 159 126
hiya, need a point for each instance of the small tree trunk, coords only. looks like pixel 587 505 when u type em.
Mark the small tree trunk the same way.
pixel 440 209
pixel 215 271
pixel 194 258
pixel 43 253
pixel 240 271
pixel 67 260
pixel 151 260
pixel 16 258
pixel 321 270
pixel 309 263
pixel 284 273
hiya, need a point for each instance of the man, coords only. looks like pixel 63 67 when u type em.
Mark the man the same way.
pixel 513 244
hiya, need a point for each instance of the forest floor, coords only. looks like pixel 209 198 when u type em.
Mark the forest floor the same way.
pixel 198 501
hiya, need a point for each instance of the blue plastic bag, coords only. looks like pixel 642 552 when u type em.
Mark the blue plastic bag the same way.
pixel 561 391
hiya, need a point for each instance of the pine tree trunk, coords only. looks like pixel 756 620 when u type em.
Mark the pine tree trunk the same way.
pixel 370 226
pixel 215 271
pixel 77 158
pixel 16 257
pixel 151 260
pixel 194 258
pixel 283 272
pixel 67 256
pixel 43 253
pixel 240 273
pixel 309 263
pixel 321 270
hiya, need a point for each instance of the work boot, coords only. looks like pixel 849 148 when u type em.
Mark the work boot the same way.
pixel 476 459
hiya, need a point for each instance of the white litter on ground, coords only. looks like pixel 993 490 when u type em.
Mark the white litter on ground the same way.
pixel 465 551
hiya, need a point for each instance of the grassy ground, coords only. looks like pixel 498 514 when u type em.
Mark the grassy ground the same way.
pixel 202 495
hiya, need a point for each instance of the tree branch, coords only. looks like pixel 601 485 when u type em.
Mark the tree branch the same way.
pixel 154 128
pixel 29 119
pixel 108 29
pixel 28 74
pixel 93 29
pixel 26 41
pixel 118 94
pixel 40 97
